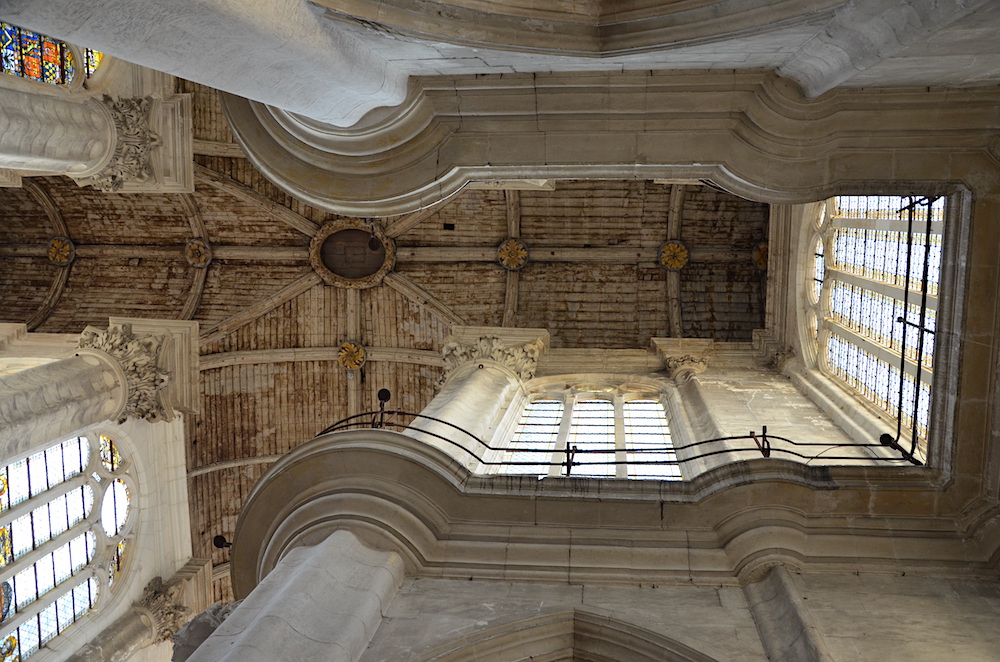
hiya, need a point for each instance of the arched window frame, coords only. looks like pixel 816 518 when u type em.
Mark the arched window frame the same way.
pixel 110 589
pixel 858 417
pixel 80 83
pixel 572 398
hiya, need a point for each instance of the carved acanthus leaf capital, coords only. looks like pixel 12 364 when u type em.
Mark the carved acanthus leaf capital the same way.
pixel 139 358
pixel 687 365
pixel 521 359
pixel 162 603
pixel 134 143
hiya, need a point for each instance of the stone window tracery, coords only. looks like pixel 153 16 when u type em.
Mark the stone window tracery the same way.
pixel 34 56
pixel 66 516
pixel 593 434
pixel 876 273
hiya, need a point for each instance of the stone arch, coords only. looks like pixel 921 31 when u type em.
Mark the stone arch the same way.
pixel 567 636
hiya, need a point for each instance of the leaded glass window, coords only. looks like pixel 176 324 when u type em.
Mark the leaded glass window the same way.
pixel 50 542
pixel 586 435
pixel 880 316
pixel 34 56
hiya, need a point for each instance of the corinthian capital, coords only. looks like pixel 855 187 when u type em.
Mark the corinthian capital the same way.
pixel 162 603
pixel 139 358
pixel 521 359
pixel 134 141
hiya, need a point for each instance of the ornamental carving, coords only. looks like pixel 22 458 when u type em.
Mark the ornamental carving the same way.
pixel 351 355
pixel 521 359
pixel 162 602
pixel 673 256
pixel 198 253
pixel 685 366
pixel 135 142
pixel 352 253
pixel 139 359
pixel 62 252
pixel 760 255
pixel 512 254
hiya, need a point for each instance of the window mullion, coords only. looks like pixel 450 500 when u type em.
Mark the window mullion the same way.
pixel 49 495
pixel 44 549
pixel 557 461
pixel 32 610
pixel 621 468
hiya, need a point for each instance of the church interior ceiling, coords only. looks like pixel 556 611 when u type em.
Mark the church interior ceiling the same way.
pixel 600 264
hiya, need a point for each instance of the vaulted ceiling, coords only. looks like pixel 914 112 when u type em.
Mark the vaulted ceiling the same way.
pixel 271 328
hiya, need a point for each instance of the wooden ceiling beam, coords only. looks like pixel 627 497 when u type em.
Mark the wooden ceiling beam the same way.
pixel 405 286
pixel 294 354
pixel 248 195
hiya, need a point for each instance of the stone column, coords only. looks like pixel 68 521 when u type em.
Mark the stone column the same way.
pixel 101 143
pixel 785 624
pixel 483 376
pixel 156 617
pixel 321 603
pixel 684 370
pixel 114 375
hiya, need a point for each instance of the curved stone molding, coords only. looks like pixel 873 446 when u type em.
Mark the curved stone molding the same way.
pixel 416 499
pixel 757 136
pixel 163 604
pixel 139 358
pixel 521 359
pixel 198 629
pixel 134 142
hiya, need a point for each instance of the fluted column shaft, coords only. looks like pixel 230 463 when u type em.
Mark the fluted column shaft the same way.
pixel 45 133
pixel 53 400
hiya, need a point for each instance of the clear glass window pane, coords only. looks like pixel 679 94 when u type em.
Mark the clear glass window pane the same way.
pixel 592 434
pixel 649 449
pixel 534 439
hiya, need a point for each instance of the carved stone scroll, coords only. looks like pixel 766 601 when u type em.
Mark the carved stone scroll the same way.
pixel 162 603
pixel 681 367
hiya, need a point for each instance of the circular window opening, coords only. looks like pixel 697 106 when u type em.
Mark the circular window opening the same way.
pixel 353 253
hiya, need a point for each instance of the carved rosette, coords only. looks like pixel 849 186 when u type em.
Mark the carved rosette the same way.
pixel 162 604
pixel 512 254
pixel 62 251
pixel 351 355
pixel 198 253
pixel 681 367
pixel 139 358
pixel 135 142
pixel 521 359
pixel 673 255
pixel 759 256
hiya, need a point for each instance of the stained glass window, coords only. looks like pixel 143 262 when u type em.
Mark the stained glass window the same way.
pixel 883 281
pixel 48 538
pixel 34 56
pixel 606 438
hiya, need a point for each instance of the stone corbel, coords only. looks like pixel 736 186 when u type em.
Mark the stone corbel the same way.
pixel 769 352
pixel 517 352
pixel 682 368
